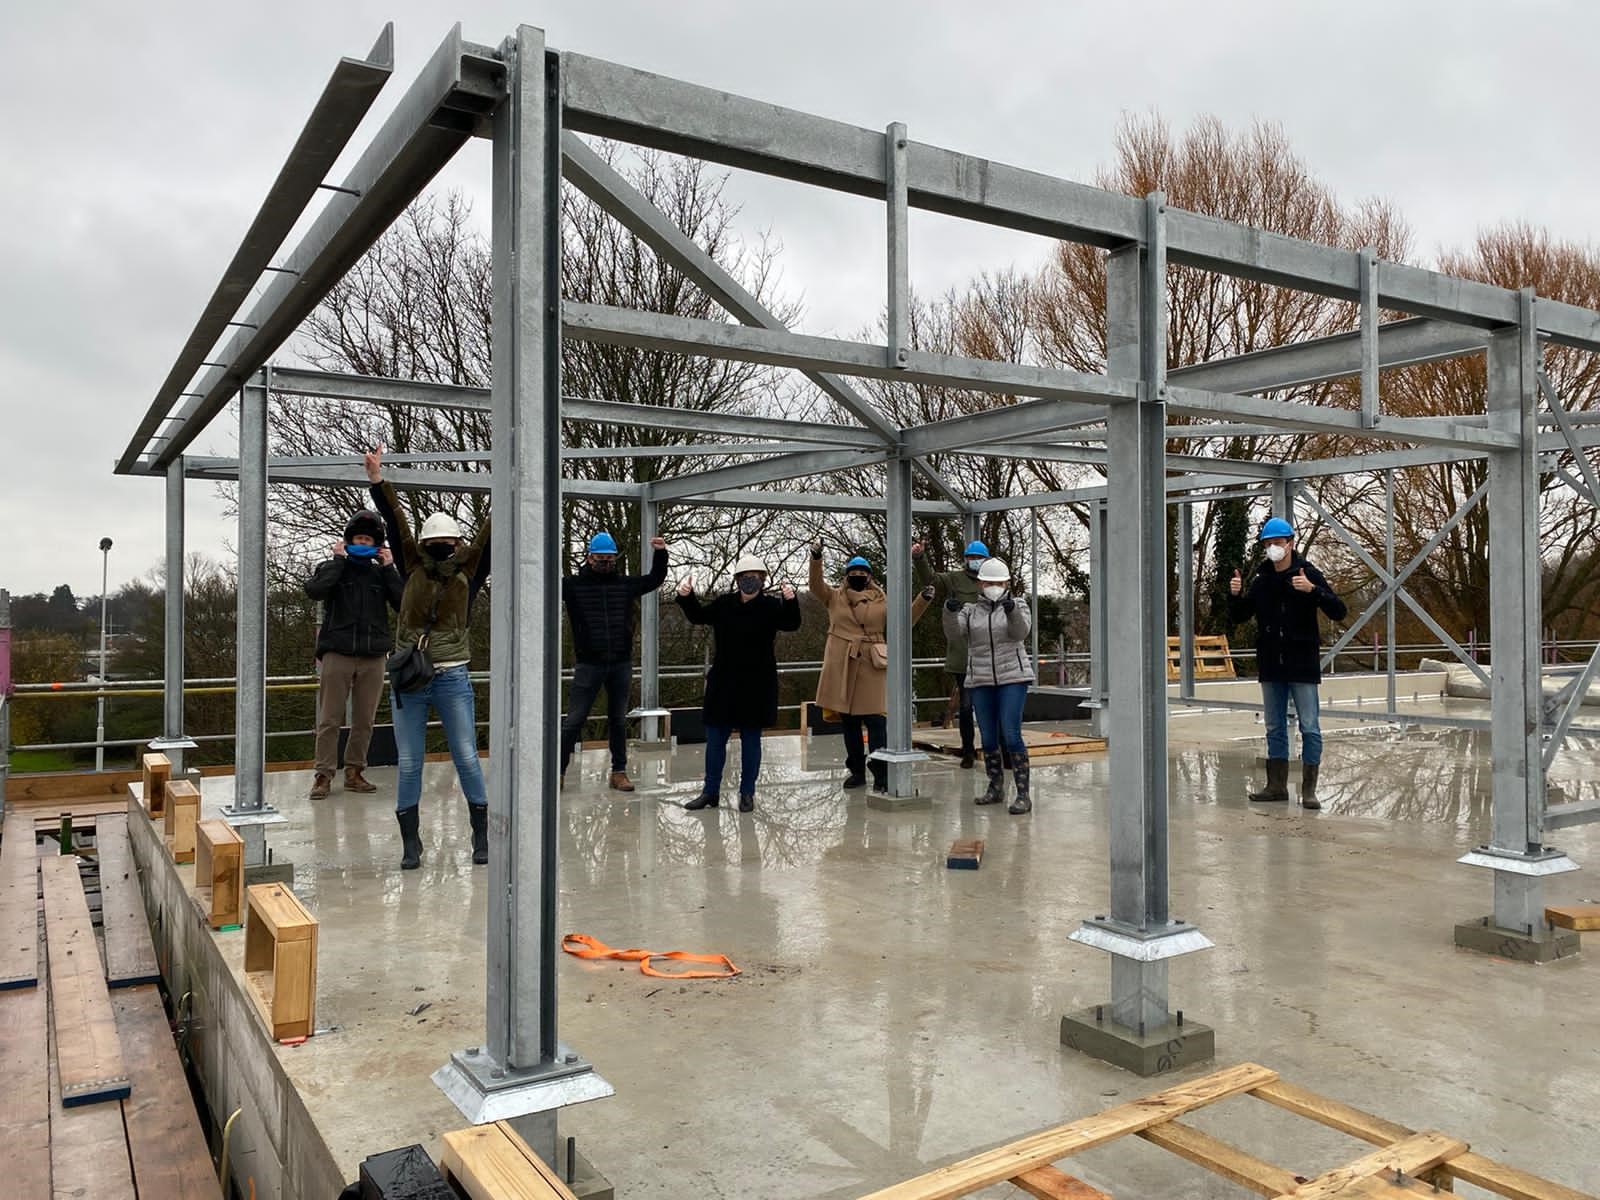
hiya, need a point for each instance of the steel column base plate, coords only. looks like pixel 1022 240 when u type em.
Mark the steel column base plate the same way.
pixel 484 1092
pixel 277 871
pixel 888 802
pixel 1092 1032
pixel 1542 946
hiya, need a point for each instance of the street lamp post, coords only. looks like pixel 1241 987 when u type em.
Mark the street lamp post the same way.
pixel 100 704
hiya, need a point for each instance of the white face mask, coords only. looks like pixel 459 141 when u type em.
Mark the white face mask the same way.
pixel 993 593
pixel 1276 553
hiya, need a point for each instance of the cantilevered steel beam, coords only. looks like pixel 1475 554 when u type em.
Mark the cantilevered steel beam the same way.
pixel 459 85
pixel 338 111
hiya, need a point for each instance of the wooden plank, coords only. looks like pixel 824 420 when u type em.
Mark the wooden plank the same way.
pixel 19 902
pixel 88 1050
pixel 1226 1160
pixel 25 1093
pixel 26 790
pixel 1041 743
pixel 130 954
pixel 490 1162
pixel 1507 1181
pixel 169 1152
pixel 1045 1147
pixel 88 1144
pixel 1052 1183
pixel 1584 917
pixel 1417 1153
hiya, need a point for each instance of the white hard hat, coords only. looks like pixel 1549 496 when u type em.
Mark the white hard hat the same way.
pixel 749 563
pixel 994 571
pixel 439 525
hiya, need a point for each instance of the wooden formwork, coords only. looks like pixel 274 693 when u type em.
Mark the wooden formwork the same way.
pixel 1407 1162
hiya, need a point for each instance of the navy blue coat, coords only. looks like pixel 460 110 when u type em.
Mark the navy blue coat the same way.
pixel 1288 642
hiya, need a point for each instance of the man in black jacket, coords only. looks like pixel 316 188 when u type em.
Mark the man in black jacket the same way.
pixel 356 588
pixel 600 605
pixel 1284 596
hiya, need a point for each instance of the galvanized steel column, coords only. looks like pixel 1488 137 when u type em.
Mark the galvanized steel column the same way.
pixel 1099 712
pixel 172 637
pixel 649 627
pixel 5 693
pixel 250 637
pixel 900 586
pixel 1185 599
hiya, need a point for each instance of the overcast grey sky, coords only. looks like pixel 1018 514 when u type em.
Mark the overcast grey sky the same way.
pixel 139 140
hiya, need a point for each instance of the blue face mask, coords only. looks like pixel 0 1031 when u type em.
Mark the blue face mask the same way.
pixel 361 551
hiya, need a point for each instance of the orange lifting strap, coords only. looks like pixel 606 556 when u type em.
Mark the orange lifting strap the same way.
pixel 581 945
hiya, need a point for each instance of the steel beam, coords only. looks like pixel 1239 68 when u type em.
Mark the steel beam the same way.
pixel 434 119
pixel 968 433
pixel 338 111
pixel 1316 418
pixel 897 323
pixel 769 470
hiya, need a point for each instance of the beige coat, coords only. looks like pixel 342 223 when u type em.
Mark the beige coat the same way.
pixel 851 681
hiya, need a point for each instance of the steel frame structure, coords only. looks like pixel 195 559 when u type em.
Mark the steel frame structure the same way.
pixel 537 104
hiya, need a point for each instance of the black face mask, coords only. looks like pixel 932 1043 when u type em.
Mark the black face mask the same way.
pixel 438 550
pixel 750 585
pixel 603 568
pixel 858 583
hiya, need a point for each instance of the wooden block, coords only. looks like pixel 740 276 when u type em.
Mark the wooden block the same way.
pixel 178 821
pixel 1043 1148
pixel 25 1097
pixel 165 1141
pixel 965 854
pixel 19 902
pixel 219 872
pixel 157 777
pixel 491 1162
pixel 130 954
pixel 1052 1183
pixel 1417 1153
pixel 280 959
pixel 1508 1181
pixel 1228 1161
pixel 89 1143
pixel 1574 916
pixel 88 1050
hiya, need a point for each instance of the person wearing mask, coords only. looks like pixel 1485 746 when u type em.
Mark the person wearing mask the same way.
pixel 443 574
pixel 855 661
pixel 999 670
pixel 742 684
pixel 600 604
pixel 1283 596
pixel 356 588
pixel 961 585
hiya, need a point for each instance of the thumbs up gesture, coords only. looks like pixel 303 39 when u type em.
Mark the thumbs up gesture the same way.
pixel 686 586
pixel 1300 583
pixel 1236 584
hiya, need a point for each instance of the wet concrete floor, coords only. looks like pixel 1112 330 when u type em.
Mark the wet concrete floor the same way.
pixel 893 1014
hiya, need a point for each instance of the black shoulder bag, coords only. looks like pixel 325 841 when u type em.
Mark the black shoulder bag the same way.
pixel 410 667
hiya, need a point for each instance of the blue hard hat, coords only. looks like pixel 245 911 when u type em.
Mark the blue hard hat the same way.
pixel 602 543
pixel 976 550
pixel 858 561
pixel 1275 528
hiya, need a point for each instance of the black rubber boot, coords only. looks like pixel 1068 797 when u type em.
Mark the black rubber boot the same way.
pixel 997 780
pixel 410 842
pixel 880 775
pixel 1277 789
pixel 703 800
pixel 1021 775
pixel 747 802
pixel 478 814
pixel 1308 786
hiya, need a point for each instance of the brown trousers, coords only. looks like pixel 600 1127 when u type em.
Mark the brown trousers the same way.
pixel 360 680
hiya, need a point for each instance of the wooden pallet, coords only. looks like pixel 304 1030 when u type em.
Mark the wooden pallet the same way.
pixel 1041 743
pixel 1407 1162
pixel 1212 658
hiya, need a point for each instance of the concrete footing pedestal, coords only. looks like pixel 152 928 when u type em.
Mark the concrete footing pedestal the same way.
pixel 1541 946
pixel 1176 1044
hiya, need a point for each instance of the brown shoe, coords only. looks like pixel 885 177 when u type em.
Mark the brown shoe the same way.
pixel 620 782
pixel 321 786
pixel 354 781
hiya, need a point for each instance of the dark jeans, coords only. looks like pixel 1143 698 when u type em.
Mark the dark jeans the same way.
pixel 1000 716
pixel 717 757
pixel 587 680
pixel 965 700
pixel 855 759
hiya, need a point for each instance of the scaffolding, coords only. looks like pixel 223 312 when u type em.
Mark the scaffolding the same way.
pixel 536 105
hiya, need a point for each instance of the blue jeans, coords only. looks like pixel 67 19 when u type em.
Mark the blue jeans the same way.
pixel 1275 698
pixel 717 757
pixel 999 714
pixel 450 693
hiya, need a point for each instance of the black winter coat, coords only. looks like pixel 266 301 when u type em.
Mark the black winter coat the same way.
pixel 1288 642
pixel 742 685
pixel 600 608
pixel 356 595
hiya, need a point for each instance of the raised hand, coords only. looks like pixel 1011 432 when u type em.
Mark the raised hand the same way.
pixel 787 590
pixel 373 459
pixel 686 586
pixel 1236 584
pixel 339 550
pixel 385 557
pixel 928 593
pixel 916 549
pixel 1300 583
pixel 658 543
pixel 953 604
pixel 1008 604
pixel 816 549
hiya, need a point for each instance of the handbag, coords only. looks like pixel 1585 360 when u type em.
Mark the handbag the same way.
pixel 410 667
pixel 880 655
